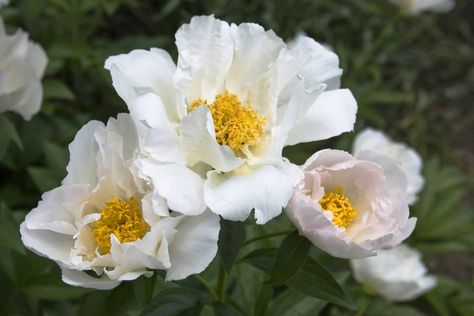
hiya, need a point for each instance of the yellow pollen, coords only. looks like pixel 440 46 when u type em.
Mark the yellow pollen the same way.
pixel 123 218
pixel 340 206
pixel 236 125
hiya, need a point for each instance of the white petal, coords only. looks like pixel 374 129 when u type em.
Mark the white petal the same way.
pixel 194 245
pixel 262 48
pixel 46 243
pixel 205 50
pixel 140 72
pixel 266 189
pixel 25 101
pixel 158 134
pixel 198 136
pixel 82 279
pixel 82 166
pixel 37 58
pixel 323 66
pixel 181 187
pixel 396 178
pixel 332 114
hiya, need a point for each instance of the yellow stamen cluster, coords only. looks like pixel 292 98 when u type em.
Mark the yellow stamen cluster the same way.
pixel 236 125
pixel 340 206
pixel 123 218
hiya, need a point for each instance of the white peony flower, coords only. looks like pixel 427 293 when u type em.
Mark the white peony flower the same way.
pixel 112 213
pixel 237 96
pixel 406 158
pixel 397 274
pixel 350 207
pixel 415 7
pixel 4 3
pixel 22 64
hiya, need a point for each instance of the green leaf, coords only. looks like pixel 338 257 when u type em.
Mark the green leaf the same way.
pixel 9 230
pixel 172 302
pixel 314 280
pixel 290 258
pixel 263 299
pixel 7 128
pixel 221 309
pixel 50 287
pixel 55 89
pixel 293 303
pixel 45 179
pixel 56 156
pixel 231 239
pixel 143 288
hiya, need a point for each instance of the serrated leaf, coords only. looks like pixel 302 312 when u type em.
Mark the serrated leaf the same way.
pixel 231 239
pixel 173 302
pixel 290 258
pixel 8 129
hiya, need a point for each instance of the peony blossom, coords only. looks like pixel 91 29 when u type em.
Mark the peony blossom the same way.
pixel 114 217
pixel 397 274
pixel 351 207
pixel 415 7
pixel 406 158
pixel 22 64
pixel 4 3
pixel 236 97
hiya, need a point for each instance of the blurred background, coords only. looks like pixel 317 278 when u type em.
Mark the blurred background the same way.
pixel 412 75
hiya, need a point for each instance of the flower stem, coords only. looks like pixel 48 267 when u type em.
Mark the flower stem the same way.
pixel 221 283
pixel 270 235
pixel 208 287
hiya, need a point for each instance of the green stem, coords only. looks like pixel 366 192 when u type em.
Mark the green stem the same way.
pixel 207 286
pixel 274 234
pixel 221 283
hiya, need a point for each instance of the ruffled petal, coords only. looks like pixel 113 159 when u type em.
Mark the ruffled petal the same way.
pixel 142 71
pixel 205 50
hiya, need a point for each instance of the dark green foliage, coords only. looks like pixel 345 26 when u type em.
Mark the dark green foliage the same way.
pixel 412 77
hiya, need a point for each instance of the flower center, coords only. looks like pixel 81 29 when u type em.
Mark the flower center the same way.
pixel 340 206
pixel 236 125
pixel 123 218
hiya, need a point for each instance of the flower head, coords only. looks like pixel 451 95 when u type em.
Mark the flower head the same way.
pixel 114 214
pixel 397 274
pixel 406 158
pixel 236 97
pixel 22 64
pixel 348 207
pixel 415 7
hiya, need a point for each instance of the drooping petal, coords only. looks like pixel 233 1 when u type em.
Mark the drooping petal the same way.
pixel 82 279
pixel 332 114
pixel 266 189
pixel 205 50
pixel 181 187
pixel 198 136
pixel 47 243
pixel 193 246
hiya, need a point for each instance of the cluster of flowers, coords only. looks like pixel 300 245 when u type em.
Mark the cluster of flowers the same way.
pixel 204 138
